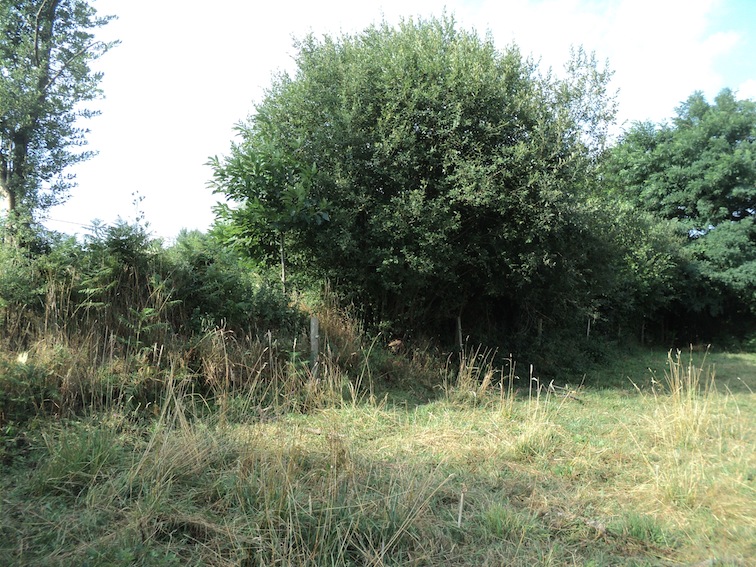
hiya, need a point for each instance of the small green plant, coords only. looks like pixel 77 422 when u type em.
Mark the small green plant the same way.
pixel 505 522
pixel 77 457
pixel 643 528
pixel 26 389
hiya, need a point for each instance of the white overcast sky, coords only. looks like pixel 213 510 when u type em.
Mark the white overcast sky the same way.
pixel 187 71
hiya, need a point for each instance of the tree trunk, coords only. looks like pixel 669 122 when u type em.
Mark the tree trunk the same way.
pixel 283 265
pixel 8 209
pixel 14 156
pixel 9 196
pixel 12 159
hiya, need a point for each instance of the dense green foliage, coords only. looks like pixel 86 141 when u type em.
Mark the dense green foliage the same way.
pixel 451 175
pixel 120 281
pixel 700 169
pixel 214 286
pixel 46 48
pixel 436 179
pixel 431 180
pixel 697 175
pixel 118 314
pixel 168 400
pixel 277 187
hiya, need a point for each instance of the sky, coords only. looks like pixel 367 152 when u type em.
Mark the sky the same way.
pixel 186 72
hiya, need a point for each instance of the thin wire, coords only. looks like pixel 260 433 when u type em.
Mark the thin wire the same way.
pixel 68 222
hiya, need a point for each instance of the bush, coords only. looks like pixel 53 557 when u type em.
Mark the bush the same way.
pixel 25 390
pixel 216 288
pixel 21 296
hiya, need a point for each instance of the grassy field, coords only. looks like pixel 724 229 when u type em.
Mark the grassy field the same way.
pixel 657 469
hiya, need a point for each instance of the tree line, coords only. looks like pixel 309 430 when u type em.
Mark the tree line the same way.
pixel 441 184
pixel 437 178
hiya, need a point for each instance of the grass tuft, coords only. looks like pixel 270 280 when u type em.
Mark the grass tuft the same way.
pixel 263 465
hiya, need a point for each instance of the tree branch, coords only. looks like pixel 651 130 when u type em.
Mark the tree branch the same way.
pixel 36 31
pixel 71 59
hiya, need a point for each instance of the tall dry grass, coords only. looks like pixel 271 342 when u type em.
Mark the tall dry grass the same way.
pixel 684 399
pixel 693 443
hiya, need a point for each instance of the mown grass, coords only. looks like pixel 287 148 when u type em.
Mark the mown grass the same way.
pixel 498 470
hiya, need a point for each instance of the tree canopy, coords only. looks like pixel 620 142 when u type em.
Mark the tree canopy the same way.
pixel 700 168
pixel 699 172
pixel 451 173
pixel 46 48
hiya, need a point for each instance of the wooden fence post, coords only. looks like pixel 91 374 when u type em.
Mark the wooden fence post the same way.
pixel 314 345
pixel 460 344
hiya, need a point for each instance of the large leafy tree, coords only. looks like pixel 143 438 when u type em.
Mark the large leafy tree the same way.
pixel 452 173
pixel 700 168
pixel 698 172
pixel 46 48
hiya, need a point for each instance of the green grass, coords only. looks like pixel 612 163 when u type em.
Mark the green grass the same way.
pixel 734 370
pixel 658 470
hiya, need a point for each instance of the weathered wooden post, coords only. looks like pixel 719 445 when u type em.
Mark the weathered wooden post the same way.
pixel 314 345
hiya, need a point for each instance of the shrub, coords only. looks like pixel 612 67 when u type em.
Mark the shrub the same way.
pixel 25 389
pixel 216 288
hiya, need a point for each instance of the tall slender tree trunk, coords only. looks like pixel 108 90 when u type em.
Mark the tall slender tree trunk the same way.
pixel 13 170
pixel 7 208
pixel 7 193
pixel 283 265
pixel 8 196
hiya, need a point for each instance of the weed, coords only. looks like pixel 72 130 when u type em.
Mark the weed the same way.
pixel 26 389
pixel 689 389
pixel 224 449
pixel 78 456
pixel 505 522
pixel 476 382
pixel 643 528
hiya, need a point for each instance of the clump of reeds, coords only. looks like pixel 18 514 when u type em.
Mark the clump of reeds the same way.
pixel 684 399
pixel 475 380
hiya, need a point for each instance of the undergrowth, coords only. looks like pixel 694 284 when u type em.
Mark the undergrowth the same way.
pixel 144 433
pixel 520 473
